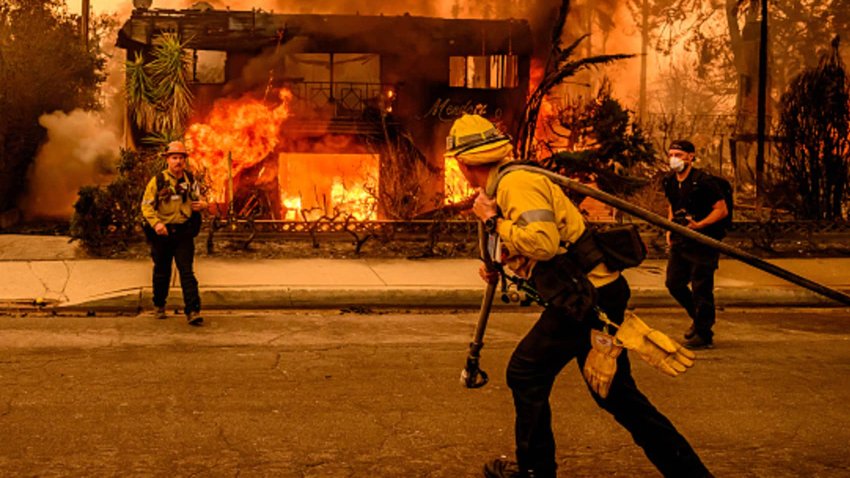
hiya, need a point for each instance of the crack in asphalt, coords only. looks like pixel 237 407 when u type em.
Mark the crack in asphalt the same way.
pixel 46 287
pixel 275 338
pixel 8 409
pixel 229 446
pixel 38 278
pixel 67 280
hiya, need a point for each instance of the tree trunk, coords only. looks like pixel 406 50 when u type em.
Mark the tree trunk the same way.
pixel 744 44
pixel 644 42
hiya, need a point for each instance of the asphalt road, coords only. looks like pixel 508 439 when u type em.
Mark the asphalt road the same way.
pixel 376 394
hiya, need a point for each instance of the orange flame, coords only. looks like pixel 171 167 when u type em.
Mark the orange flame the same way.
pixel 310 185
pixel 535 75
pixel 357 200
pixel 547 115
pixel 456 186
pixel 245 128
pixel 315 185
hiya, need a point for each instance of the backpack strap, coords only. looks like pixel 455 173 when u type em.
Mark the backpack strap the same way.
pixel 584 250
pixel 504 170
pixel 160 183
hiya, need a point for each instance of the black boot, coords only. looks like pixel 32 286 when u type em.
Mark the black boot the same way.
pixel 692 330
pixel 698 343
pixel 504 468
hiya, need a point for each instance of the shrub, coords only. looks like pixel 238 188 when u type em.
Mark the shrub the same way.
pixel 107 219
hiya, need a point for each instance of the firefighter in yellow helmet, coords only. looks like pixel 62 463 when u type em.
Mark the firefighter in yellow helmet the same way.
pixel 541 235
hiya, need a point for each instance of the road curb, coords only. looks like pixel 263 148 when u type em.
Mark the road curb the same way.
pixel 237 298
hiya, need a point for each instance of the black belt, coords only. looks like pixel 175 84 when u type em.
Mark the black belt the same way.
pixel 584 251
pixel 176 226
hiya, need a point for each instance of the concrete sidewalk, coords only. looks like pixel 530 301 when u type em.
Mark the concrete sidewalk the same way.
pixel 57 276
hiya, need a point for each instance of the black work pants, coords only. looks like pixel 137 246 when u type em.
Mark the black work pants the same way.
pixel 178 246
pixel 695 268
pixel 552 342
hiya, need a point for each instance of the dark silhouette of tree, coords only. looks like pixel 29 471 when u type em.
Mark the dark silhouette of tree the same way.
pixel 44 67
pixel 600 141
pixel 815 127
pixel 797 28
pixel 560 65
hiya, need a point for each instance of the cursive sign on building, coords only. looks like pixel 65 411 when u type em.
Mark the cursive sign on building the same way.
pixel 445 110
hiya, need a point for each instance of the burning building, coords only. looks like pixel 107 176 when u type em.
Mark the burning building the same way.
pixel 302 116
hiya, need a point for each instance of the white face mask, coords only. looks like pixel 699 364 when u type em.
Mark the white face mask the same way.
pixel 677 164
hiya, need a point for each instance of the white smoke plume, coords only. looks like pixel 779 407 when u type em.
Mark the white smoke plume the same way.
pixel 81 149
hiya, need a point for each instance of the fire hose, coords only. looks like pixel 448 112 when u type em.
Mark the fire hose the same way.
pixel 668 225
pixel 473 377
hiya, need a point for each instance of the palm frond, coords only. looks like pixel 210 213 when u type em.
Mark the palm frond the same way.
pixel 567 52
pixel 562 68
pixel 160 139
pixel 158 91
pixel 558 31
pixel 139 93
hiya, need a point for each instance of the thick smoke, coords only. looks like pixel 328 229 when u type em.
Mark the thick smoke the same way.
pixel 431 8
pixel 81 149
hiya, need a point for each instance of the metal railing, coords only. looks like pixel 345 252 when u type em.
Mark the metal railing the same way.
pixel 790 231
pixel 339 99
pixel 811 236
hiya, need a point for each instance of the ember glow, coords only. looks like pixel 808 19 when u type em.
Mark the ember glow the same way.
pixel 547 114
pixel 338 186
pixel 456 186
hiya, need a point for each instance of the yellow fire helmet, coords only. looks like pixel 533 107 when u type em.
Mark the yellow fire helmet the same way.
pixel 475 140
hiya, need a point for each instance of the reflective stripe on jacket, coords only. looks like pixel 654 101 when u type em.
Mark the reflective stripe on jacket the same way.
pixel 538 222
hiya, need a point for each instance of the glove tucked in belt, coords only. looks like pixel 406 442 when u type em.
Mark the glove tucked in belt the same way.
pixel 601 363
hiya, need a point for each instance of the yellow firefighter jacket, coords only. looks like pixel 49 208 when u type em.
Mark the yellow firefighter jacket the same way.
pixel 172 209
pixel 538 222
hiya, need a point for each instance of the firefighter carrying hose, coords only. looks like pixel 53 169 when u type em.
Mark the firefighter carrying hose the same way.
pixel 544 239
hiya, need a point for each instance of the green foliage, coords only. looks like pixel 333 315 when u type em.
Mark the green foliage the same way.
pixel 139 93
pixel 107 219
pixel 44 67
pixel 158 92
pixel 815 127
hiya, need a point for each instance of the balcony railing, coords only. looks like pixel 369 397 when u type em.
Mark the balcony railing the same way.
pixel 339 99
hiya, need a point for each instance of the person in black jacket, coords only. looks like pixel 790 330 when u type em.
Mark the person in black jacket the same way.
pixel 695 201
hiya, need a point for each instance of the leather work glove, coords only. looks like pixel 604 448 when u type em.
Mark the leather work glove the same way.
pixel 601 363
pixel 656 348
